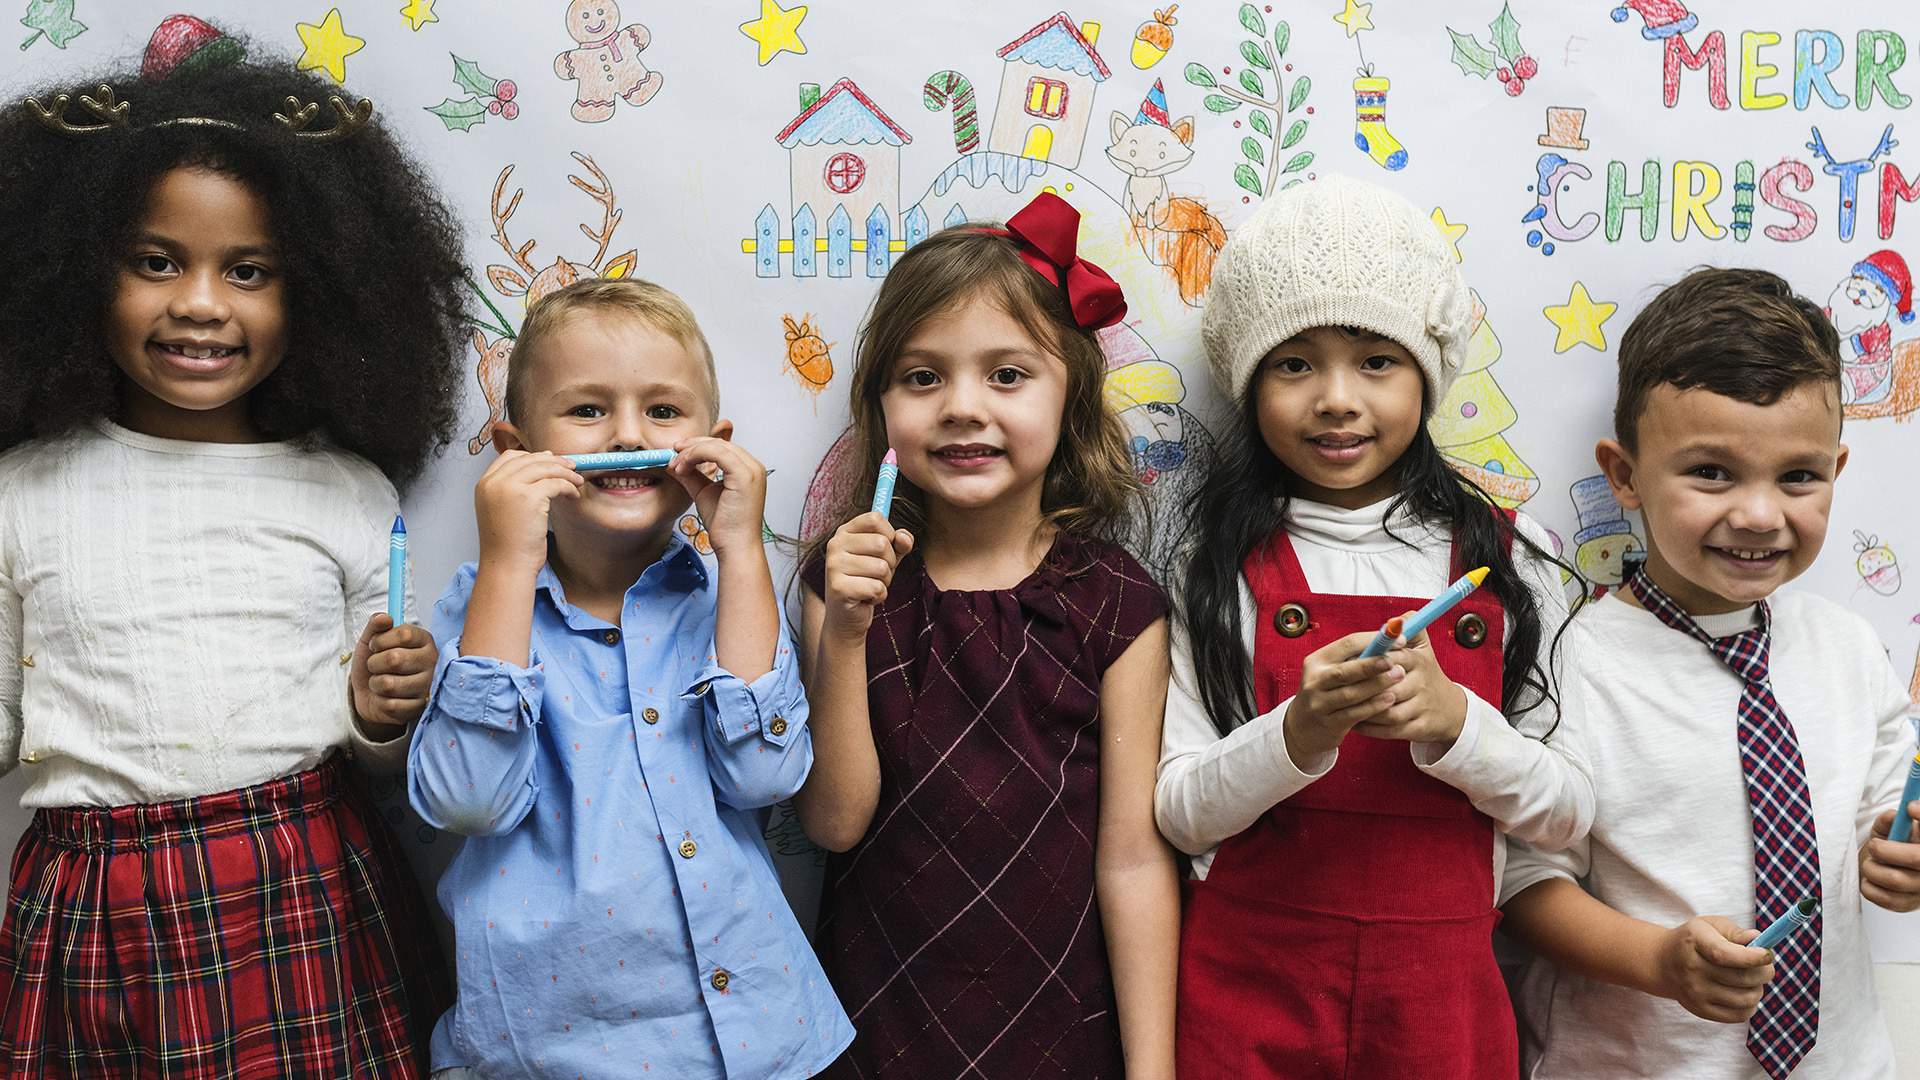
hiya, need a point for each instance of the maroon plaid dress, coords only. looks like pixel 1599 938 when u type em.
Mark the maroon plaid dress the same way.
pixel 272 931
pixel 962 933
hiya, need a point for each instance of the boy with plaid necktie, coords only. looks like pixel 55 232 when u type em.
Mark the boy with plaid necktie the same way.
pixel 1748 745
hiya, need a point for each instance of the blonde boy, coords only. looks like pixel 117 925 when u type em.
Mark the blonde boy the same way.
pixel 609 715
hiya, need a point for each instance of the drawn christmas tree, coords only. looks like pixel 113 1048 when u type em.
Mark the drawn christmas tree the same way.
pixel 1468 422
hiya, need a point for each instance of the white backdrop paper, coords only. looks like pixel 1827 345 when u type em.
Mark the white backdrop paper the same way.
pixel 780 158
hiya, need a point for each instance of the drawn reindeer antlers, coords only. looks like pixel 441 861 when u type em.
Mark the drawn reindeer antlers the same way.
pixel 500 216
pixel 112 114
pixel 352 118
pixel 610 218
pixel 1819 148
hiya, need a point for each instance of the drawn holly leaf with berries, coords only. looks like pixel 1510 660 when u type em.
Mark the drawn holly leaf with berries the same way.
pixel 488 96
pixel 1505 60
pixel 54 18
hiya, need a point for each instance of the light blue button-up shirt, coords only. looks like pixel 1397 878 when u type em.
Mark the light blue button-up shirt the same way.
pixel 615 909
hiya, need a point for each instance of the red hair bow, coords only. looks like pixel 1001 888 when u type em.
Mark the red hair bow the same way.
pixel 1049 230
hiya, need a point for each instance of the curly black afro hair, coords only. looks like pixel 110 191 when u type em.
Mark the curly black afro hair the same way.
pixel 374 280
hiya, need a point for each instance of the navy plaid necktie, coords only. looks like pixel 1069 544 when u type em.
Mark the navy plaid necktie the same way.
pixel 1786 859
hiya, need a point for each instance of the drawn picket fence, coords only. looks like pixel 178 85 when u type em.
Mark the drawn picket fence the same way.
pixel 837 246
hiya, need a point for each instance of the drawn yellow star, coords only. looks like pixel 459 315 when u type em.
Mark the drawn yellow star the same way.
pixel 1356 18
pixel 418 13
pixel 327 46
pixel 777 30
pixel 1579 320
pixel 1453 231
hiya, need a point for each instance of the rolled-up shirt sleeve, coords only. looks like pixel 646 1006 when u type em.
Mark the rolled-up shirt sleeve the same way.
pixel 758 747
pixel 470 765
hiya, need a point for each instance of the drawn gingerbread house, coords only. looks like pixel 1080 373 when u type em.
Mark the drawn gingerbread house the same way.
pixel 844 152
pixel 1046 91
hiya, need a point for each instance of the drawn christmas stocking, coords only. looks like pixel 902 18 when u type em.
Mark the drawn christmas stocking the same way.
pixel 1370 123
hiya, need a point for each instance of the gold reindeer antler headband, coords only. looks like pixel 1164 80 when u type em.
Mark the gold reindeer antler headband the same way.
pixel 114 114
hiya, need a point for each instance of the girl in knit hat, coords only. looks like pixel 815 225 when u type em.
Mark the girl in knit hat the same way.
pixel 1345 815
pixel 232 328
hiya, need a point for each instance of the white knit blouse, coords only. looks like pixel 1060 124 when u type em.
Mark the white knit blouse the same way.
pixel 174 616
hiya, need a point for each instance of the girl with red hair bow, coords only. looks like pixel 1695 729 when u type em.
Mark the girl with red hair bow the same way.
pixel 987 670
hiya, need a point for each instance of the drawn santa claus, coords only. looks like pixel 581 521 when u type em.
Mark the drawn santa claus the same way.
pixel 1861 307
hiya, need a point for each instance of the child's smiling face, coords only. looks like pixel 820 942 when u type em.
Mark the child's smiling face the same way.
pixel 605 382
pixel 1338 409
pixel 1735 496
pixel 199 311
pixel 973 408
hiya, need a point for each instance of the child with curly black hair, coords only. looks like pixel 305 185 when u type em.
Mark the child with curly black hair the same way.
pixel 232 330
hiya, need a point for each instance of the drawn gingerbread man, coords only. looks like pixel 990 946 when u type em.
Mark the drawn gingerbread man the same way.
pixel 607 63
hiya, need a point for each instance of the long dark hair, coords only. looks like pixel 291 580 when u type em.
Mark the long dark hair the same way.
pixel 372 257
pixel 1243 501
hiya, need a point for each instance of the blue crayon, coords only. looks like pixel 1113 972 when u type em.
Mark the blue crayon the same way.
pixel 1902 824
pixel 397 572
pixel 1435 608
pixel 1796 917
pixel 883 485
pixel 632 459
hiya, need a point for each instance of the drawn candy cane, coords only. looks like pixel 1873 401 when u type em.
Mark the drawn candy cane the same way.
pixel 946 85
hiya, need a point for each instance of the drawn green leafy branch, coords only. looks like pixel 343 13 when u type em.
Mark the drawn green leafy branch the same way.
pixel 1265 114
pixel 488 97
pixel 54 18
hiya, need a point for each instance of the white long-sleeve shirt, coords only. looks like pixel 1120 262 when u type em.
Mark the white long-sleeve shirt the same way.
pixel 1211 788
pixel 1673 837
pixel 173 615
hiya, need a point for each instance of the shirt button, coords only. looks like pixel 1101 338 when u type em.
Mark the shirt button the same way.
pixel 650 714
pixel 687 848
pixel 778 726
pixel 611 637
pixel 721 979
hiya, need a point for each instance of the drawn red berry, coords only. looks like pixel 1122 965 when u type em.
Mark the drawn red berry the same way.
pixel 1525 67
pixel 1503 74
pixel 510 110
pixel 493 107
pixel 505 90
pixel 1514 87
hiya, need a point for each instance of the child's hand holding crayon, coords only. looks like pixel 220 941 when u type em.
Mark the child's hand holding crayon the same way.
pixel 1338 690
pixel 1890 871
pixel 1427 706
pixel 391 675
pixel 1707 966
pixel 733 507
pixel 861 559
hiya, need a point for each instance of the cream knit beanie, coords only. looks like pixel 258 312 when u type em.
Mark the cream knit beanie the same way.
pixel 1336 252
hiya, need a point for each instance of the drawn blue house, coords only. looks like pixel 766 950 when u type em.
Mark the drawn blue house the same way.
pixel 844 152
pixel 1046 91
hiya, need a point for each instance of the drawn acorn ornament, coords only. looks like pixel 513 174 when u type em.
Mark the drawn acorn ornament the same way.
pixel 1154 38
pixel 808 355
pixel 1878 566
pixel 689 526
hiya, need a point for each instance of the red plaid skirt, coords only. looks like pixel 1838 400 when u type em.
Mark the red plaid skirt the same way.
pixel 272 931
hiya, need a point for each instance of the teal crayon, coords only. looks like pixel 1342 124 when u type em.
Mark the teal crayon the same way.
pixel 631 459
pixel 883 485
pixel 1902 828
pixel 397 572
pixel 1435 608
pixel 1795 917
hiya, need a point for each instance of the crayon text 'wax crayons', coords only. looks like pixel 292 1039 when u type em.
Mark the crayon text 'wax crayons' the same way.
pixel 629 459
pixel 883 485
